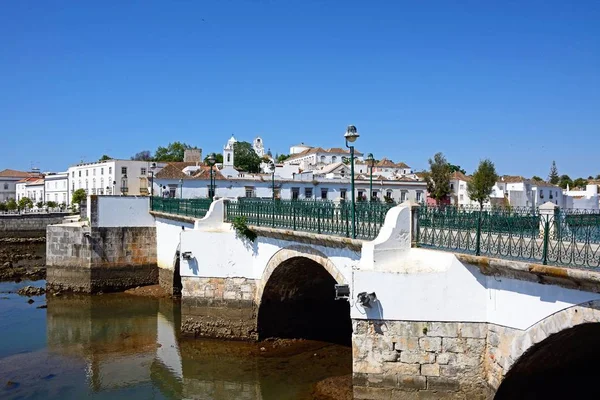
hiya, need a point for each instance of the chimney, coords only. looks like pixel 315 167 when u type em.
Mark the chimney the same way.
pixel 192 155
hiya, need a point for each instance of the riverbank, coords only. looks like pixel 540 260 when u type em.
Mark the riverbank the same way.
pixel 22 258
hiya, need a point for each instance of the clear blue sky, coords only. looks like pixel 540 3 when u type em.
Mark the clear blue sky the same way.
pixel 515 81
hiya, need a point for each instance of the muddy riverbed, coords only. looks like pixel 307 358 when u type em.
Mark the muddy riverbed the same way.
pixel 127 346
pixel 22 258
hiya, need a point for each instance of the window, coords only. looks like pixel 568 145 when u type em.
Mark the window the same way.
pixel 79 173
pixel 388 194
pixel 94 183
pixel 295 193
pixel 419 196
pixel 403 195
pixel 102 171
pixel 124 170
pixel 308 193
pixel 323 159
pixel 375 194
pixel 361 195
pixel 228 157
pixel 143 171
pixel 452 186
pixel 541 193
pixel 6 186
pixel 249 191
pixel 324 193
pixel 462 186
pixel 101 183
pixel 72 174
pixel 343 194
pixel 87 172
pixel 55 185
pixel 461 197
pixel 94 172
pixel 109 170
pixel 56 197
pixel 333 159
pixel 86 184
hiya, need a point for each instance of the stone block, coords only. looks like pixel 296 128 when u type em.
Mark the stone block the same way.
pixel 430 370
pixel 443 329
pixel 399 368
pixel 473 330
pixel 369 393
pixel 453 345
pixel 445 358
pixel 442 383
pixel 382 380
pixel 406 382
pixel 359 379
pixel 449 371
pixel 432 344
pixel 420 357
pixel 406 343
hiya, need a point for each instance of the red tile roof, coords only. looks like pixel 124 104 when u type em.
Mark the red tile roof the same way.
pixel 11 173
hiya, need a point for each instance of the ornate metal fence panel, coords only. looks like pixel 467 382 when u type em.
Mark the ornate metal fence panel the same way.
pixel 318 216
pixel 565 237
pixel 196 208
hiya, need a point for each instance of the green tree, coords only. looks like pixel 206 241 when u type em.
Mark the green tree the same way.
pixel 281 157
pixel 78 196
pixel 456 168
pixel 598 176
pixel 218 158
pixel 438 178
pixel 173 152
pixel 553 177
pixel 580 182
pixel 565 181
pixel 537 178
pixel 245 158
pixel 144 155
pixel 11 204
pixel 482 182
pixel 105 158
pixel 52 204
pixel 3 206
pixel 39 204
pixel 25 203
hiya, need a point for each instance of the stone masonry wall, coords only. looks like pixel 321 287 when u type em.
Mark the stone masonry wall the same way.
pixel 90 260
pixel 219 308
pixel 416 360
pixel 29 222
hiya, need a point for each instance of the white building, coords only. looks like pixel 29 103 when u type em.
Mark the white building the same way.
pixel 32 188
pixel 584 199
pixel 299 148
pixel 259 147
pixel 390 169
pixel 8 182
pixel 303 186
pixel 458 186
pixel 316 157
pixel 111 177
pixel 57 188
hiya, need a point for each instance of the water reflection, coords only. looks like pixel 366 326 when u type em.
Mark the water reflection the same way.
pixel 120 346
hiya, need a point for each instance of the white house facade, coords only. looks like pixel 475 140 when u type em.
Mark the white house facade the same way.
pixel 111 177
pixel 583 199
pixel 316 157
pixel 8 182
pixel 57 188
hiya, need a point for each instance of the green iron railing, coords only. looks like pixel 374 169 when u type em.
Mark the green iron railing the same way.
pixel 563 237
pixel 196 208
pixel 319 216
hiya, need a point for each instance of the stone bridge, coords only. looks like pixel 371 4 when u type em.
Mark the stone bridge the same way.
pixel 422 323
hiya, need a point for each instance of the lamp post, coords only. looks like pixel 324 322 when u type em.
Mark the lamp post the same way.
pixel 152 168
pixel 272 166
pixel 181 188
pixel 371 164
pixel 211 161
pixel 351 135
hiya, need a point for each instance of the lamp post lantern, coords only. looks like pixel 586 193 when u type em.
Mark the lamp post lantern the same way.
pixel 371 164
pixel 181 188
pixel 211 161
pixel 272 166
pixel 351 135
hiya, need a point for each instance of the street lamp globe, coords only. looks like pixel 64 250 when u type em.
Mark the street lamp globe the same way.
pixel 370 159
pixel 211 160
pixel 351 134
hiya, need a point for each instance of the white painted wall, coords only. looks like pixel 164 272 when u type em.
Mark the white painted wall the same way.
pixel 123 211
pixel 167 240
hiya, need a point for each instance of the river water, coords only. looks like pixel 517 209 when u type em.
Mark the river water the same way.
pixel 118 346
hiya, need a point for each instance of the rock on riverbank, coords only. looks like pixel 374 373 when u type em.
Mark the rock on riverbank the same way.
pixel 31 291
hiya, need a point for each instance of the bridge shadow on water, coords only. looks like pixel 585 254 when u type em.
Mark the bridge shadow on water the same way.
pixel 563 366
pixel 299 302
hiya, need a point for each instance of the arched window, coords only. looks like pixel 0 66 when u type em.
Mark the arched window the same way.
pixel 333 159
pixel 228 157
pixel 323 159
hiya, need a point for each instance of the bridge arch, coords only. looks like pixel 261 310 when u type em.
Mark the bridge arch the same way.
pixel 296 298
pixel 556 357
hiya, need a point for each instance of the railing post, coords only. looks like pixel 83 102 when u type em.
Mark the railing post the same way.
pixel 294 216
pixel 318 219
pixel 546 237
pixel 478 235
pixel 547 227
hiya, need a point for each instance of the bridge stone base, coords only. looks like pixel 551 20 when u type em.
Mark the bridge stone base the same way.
pixel 219 308
pixel 417 360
